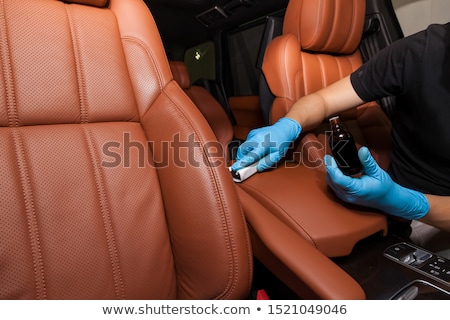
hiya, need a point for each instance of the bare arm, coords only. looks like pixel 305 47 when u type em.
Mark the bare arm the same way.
pixel 312 109
pixel 439 214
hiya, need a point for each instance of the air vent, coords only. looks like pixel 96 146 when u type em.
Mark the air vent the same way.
pixel 211 16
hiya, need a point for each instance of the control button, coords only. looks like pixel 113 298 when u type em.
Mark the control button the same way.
pixel 435 273
pixel 400 251
pixel 439 268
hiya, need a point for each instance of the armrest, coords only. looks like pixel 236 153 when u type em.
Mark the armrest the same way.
pixel 314 269
pixel 300 198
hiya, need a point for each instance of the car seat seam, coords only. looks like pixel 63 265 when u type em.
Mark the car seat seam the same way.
pixel 351 60
pixel 339 65
pixel 150 54
pixel 283 71
pixel 81 83
pixel 305 233
pixel 33 227
pixel 323 77
pixel 352 27
pixel 106 216
pixel 247 236
pixel 13 119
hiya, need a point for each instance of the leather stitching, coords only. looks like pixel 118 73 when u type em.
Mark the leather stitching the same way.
pixel 150 54
pixel 106 216
pixel 153 65
pixel 13 119
pixel 295 223
pixel 84 115
pixel 352 28
pixel 247 238
pixel 33 228
pixel 339 66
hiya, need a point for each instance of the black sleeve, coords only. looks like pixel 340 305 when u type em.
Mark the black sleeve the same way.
pixel 388 72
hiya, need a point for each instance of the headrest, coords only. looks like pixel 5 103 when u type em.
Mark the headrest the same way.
pixel 180 74
pixel 328 26
pixel 94 3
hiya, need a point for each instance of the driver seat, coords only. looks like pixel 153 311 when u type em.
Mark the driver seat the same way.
pixel 107 190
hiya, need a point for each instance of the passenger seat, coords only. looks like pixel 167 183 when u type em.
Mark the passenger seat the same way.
pixel 97 200
pixel 211 109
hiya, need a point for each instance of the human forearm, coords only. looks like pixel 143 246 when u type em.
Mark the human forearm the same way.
pixel 312 109
pixel 439 213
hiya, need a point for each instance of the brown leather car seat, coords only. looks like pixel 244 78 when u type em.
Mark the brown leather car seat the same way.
pixel 207 104
pixel 106 191
pixel 318 46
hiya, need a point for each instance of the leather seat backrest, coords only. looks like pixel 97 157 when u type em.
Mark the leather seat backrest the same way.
pixel 211 109
pixel 106 189
pixel 318 47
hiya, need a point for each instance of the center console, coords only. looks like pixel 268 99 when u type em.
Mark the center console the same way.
pixel 393 268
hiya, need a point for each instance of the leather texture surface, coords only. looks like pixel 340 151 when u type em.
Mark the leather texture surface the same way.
pixel 247 112
pixel 95 3
pixel 98 200
pixel 302 267
pixel 305 205
pixel 326 26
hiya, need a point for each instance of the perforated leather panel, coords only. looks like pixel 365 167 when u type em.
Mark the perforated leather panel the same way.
pixel 87 211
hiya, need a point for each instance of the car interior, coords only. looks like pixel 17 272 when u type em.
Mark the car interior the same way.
pixel 120 121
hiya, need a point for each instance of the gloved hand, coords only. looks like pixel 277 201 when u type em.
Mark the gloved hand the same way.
pixel 376 189
pixel 267 145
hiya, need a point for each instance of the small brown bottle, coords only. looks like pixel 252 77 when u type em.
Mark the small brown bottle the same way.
pixel 343 148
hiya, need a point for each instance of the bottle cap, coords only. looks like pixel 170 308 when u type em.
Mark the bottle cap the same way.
pixel 333 119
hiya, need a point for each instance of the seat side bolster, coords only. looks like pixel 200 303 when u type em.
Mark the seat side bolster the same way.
pixel 282 64
pixel 319 273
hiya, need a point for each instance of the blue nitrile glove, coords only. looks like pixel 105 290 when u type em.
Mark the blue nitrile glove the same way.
pixel 267 145
pixel 376 189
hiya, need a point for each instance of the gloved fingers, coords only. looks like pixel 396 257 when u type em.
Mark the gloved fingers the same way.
pixel 245 148
pixel 268 161
pixel 258 139
pixel 370 166
pixel 329 161
pixel 239 164
pixel 269 143
pixel 248 155
pixel 334 173
pixel 338 181
pixel 243 162
pixel 340 191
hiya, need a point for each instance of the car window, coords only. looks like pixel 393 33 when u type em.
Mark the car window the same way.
pixel 200 61
pixel 243 48
pixel 416 15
